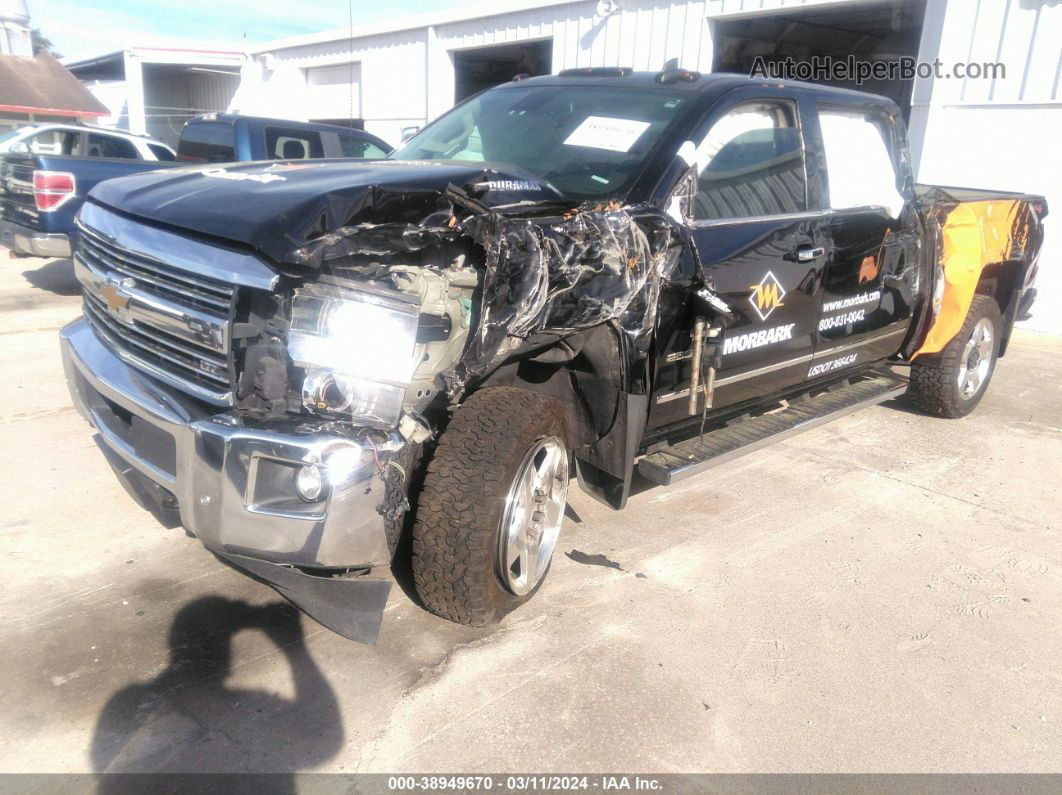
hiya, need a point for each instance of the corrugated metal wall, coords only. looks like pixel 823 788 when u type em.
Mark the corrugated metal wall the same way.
pixel 171 97
pixel 1025 35
pixel 407 77
pixel 642 35
pixel 999 133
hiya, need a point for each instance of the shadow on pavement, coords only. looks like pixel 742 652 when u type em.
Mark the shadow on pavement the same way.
pixel 56 277
pixel 187 720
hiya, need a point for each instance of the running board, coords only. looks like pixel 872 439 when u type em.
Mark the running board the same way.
pixel 682 460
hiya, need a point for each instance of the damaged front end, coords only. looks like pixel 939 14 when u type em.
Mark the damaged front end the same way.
pixel 346 361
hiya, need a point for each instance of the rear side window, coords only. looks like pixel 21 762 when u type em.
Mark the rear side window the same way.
pixel 161 152
pixel 858 162
pixel 108 146
pixel 751 163
pixel 207 142
pixel 285 144
pixel 54 142
pixel 353 146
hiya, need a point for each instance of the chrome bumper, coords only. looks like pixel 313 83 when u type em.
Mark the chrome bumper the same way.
pixel 234 485
pixel 23 240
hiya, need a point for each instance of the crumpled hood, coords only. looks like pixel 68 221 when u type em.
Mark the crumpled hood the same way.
pixel 277 207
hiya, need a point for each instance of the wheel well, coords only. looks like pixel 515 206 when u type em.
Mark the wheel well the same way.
pixel 999 281
pixel 584 373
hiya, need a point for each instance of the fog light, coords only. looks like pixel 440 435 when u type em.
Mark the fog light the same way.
pixel 309 483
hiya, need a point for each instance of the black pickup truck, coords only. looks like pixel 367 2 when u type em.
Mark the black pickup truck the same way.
pixel 588 275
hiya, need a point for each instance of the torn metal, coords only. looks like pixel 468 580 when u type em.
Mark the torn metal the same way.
pixel 501 278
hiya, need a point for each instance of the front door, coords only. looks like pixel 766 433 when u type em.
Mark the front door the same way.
pixel 761 250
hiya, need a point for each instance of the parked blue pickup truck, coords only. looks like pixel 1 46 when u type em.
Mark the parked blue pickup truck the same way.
pixel 226 137
pixel 46 171
pixel 41 192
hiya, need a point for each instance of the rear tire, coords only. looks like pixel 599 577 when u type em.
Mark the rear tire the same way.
pixel 486 465
pixel 951 383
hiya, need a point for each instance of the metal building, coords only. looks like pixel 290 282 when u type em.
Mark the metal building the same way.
pixel 1001 131
pixel 155 90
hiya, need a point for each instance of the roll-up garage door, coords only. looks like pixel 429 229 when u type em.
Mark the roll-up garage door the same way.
pixel 333 92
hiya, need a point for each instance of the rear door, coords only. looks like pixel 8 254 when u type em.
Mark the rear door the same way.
pixel 761 248
pixel 871 274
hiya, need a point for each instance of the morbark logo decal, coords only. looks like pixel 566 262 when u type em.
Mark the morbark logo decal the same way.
pixel 767 295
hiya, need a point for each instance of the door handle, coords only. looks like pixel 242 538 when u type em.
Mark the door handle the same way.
pixel 809 254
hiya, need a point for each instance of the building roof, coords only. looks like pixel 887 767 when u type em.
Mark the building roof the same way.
pixel 42 85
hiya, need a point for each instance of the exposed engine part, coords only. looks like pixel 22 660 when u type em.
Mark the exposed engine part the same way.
pixel 414 429
pixel 261 359
pixel 444 295
pixel 321 392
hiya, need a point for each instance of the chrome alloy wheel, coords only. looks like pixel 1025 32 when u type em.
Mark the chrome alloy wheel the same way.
pixel 976 359
pixel 534 510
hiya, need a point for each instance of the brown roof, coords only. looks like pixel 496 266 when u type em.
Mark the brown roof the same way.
pixel 43 85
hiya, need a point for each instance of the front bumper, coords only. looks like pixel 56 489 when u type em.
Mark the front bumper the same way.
pixel 234 485
pixel 23 240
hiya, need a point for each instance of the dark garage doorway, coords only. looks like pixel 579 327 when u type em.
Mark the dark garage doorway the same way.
pixel 882 31
pixel 482 67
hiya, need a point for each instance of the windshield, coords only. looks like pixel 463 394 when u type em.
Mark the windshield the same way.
pixel 588 142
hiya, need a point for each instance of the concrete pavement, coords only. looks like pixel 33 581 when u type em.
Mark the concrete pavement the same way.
pixel 881 594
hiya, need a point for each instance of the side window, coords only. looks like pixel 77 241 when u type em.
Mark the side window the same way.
pixel 207 142
pixel 353 146
pixel 108 146
pixel 161 152
pixel 859 166
pixel 282 144
pixel 751 163
pixel 54 142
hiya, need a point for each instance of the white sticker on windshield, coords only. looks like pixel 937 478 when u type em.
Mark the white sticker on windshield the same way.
pixel 601 132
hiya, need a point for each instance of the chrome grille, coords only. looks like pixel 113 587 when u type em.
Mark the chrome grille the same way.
pixel 171 323
pixel 164 280
pixel 175 357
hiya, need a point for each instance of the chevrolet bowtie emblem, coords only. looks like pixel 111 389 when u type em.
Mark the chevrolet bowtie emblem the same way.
pixel 115 299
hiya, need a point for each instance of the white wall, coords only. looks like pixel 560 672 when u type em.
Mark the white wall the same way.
pixel 1005 133
pixel 333 91
pixel 390 91
pixel 112 93
pixel 407 77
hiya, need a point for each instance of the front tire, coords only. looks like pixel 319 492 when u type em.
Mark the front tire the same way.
pixel 491 506
pixel 951 383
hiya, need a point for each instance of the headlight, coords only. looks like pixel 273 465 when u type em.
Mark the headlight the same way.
pixel 357 349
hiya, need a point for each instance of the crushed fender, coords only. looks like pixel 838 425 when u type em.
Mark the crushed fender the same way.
pixel 973 235
pixel 543 271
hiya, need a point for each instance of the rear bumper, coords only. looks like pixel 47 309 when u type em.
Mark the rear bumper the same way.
pixel 233 485
pixel 23 240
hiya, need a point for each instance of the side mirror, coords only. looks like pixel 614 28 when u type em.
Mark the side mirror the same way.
pixel 20 148
pixel 409 132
